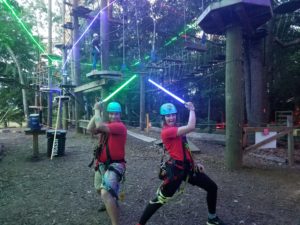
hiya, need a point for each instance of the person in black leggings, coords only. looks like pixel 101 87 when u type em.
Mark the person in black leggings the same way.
pixel 181 166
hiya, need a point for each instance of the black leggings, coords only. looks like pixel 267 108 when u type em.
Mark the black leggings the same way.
pixel 170 186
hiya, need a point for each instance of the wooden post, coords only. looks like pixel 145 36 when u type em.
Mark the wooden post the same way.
pixel 147 122
pixel 77 77
pixel 142 101
pixel 49 113
pixel 35 145
pixel 234 97
pixel 104 36
pixel 290 141
pixel 35 137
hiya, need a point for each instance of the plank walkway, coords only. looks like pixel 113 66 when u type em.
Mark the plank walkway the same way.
pixel 142 137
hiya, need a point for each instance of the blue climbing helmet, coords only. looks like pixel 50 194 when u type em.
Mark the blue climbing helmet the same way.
pixel 167 108
pixel 114 107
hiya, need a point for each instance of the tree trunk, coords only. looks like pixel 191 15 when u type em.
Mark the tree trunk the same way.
pixel 255 83
pixel 268 66
pixel 234 97
pixel 21 78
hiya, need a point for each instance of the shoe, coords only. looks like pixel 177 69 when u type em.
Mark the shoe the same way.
pixel 102 208
pixel 215 221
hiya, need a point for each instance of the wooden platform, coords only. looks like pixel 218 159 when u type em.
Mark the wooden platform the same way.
pixel 96 74
pixel 52 56
pixel 92 86
pixel 250 14
pixel 140 136
pixel 63 46
pixel 62 98
pixel 67 86
pixel 35 107
pixel 81 11
pixel 68 25
pixel 52 89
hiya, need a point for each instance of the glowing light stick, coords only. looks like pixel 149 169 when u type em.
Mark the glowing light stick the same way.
pixel 119 89
pixel 168 92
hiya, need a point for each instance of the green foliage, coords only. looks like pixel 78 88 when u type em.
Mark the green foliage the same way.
pixel 12 36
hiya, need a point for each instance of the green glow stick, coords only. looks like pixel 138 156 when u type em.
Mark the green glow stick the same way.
pixel 119 89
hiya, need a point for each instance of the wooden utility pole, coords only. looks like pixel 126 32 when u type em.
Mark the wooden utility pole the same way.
pixel 64 73
pixel 49 115
pixel 76 57
pixel 142 101
pixel 104 40
pixel 234 97
pixel 104 35
pixel 290 141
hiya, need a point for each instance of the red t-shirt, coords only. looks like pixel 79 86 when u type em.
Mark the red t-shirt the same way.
pixel 116 142
pixel 173 143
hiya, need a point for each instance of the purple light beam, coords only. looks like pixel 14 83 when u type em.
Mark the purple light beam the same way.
pixel 168 92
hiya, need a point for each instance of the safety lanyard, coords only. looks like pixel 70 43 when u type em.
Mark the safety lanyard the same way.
pixel 107 162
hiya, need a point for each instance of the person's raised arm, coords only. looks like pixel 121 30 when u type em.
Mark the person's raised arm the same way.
pixel 191 123
pixel 96 124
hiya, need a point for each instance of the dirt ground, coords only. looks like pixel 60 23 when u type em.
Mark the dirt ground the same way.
pixel 60 191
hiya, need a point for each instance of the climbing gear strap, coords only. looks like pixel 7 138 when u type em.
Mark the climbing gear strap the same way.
pixel 160 198
pixel 98 149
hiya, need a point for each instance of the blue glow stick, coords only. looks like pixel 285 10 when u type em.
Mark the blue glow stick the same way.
pixel 168 92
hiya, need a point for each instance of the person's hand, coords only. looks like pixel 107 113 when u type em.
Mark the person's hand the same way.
pixel 97 106
pixel 190 106
pixel 199 168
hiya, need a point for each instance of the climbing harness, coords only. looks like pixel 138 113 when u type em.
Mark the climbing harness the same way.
pixel 108 166
pixel 173 169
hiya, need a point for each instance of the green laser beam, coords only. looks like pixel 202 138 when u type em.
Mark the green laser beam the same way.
pixel 24 27
pixel 119 89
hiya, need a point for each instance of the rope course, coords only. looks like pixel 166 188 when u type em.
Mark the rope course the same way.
pixel 175 61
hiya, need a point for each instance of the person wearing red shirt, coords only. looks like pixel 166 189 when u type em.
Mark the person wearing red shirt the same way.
pixel 110 161
pixel 181 166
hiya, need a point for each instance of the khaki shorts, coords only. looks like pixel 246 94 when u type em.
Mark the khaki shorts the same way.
pixel 109 179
